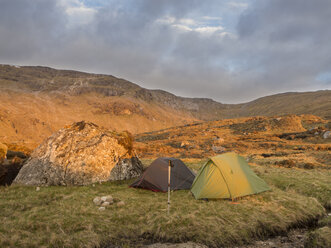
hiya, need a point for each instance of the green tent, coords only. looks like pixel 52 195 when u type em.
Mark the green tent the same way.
pixel 227 176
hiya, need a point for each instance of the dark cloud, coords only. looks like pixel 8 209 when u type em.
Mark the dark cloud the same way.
pixel 276 45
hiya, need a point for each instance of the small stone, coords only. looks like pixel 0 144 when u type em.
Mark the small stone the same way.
pixel 272 244
pixel 105 204
pixel 300 236
pixel 110 201
pixel 184 143
pixel 109 198
pixel 97 201
pixel 218 149
pixel 38 188
pixel 120 204
pixel 93 185
pixel 101 208
pixel 103 198
pixel 326 135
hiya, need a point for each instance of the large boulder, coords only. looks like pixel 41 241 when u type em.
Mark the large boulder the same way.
pixel 80 154
pixel 126 168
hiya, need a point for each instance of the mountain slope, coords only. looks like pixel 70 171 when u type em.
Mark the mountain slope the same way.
pixel 317 103
pixel 36 101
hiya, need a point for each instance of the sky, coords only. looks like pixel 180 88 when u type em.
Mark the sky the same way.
pixel 229 50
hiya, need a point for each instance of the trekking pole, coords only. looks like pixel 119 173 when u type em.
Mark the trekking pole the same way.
pixel 169 173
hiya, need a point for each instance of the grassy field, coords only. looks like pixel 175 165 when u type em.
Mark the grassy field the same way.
pixel 67 217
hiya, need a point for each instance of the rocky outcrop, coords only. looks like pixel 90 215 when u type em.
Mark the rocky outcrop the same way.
pixel 80 154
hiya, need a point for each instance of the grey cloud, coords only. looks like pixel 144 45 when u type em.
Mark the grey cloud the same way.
pixel 278 45
pixel 289 41
pixel 28 28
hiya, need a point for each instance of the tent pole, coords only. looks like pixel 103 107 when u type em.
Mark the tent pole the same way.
pixel 169 173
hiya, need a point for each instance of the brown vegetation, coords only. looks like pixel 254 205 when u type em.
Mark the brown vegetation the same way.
pixel 280 141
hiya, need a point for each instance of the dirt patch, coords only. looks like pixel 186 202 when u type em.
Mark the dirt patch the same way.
pixel 179 245
pixel 294 239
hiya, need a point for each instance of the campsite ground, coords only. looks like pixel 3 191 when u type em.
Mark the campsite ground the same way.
pixel 66 216
pixel 288 152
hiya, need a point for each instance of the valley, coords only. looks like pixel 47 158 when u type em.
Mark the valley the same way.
pixel 36 101
pixel 285 139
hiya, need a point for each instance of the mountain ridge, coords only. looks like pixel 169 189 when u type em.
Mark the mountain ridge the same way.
pixel 37 101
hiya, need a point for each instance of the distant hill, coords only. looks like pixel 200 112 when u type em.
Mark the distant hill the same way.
pixel 316 103
pixel 36 101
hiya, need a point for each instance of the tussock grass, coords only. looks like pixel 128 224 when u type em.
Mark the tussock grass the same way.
pixel 313 183
pixel 319 238
pixel 66 217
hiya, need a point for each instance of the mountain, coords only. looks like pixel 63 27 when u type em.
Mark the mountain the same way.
pixel 36 101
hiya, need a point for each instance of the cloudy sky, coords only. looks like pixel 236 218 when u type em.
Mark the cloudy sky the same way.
pixel 229 50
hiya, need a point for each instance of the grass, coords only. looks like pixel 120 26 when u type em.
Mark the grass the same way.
pixel 66 216
pixel 313 183
pixel 319 238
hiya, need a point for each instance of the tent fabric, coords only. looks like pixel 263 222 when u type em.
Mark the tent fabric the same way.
pixel 156 176
pixel 227 176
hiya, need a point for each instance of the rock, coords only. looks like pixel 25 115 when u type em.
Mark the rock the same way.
pixel 272 245
pixel 38 189
pixel 126 168
pixel 103 198
pixel 184 144
pixel 97 201
pixel 120 204
pixel 101 208
pixel 13 154
pixel 300 236
pixel 177 245
pixel 81 154
pixel 105 204
pixel 218 149
pixel 326 135
pixel 108 198
pixel 3 151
